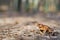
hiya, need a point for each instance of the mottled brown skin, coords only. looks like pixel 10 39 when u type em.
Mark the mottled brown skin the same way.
pixel 44 29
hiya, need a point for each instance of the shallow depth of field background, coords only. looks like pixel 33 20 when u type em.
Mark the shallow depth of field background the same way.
pixel 22 11
pixel 47 9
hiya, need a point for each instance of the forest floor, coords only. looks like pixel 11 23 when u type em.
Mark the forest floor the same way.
pixel 10 30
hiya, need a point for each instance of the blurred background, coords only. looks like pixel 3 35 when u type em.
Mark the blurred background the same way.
pixel 13 12
pixel 45 8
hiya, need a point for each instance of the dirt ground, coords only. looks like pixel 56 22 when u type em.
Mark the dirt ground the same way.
pixel 12 28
